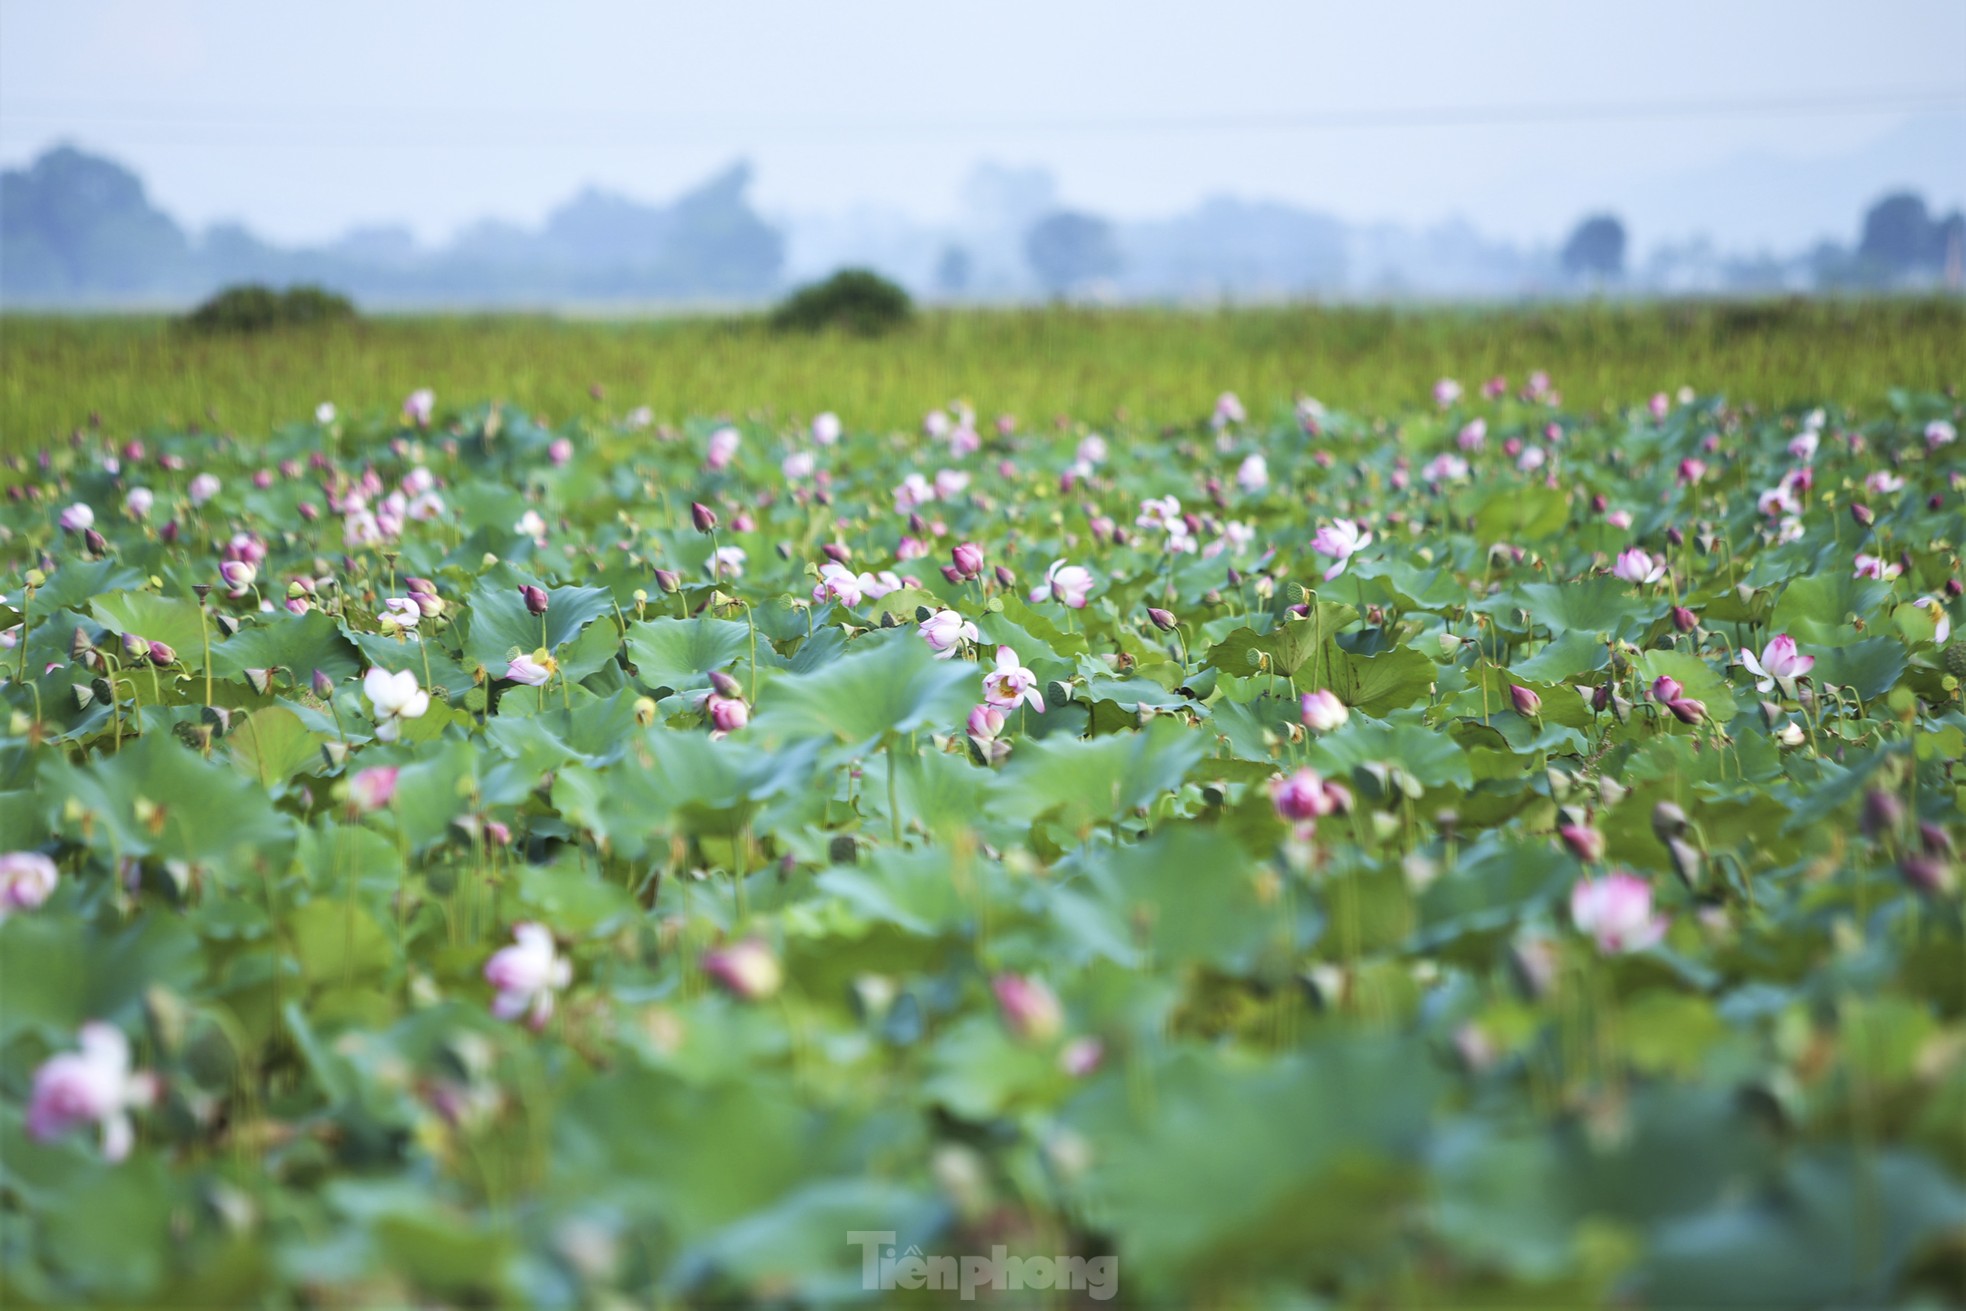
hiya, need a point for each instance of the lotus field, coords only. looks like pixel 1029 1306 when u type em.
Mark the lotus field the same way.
pixel 1479 855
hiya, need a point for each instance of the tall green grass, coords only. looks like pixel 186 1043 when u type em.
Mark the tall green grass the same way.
pixel 141 374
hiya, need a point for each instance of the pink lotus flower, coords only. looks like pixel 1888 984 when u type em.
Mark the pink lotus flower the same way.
pixel 798 466
pixel 418 406
pixel 203 488
pixel 77 518
pixel 1473 435
pixel 945 631
pixel 1158 514
pixel 393 698
pixel 837 583
pixel 950 483
pixel 92 1086
pixel 373 788
pixel 1068 583
pixel 913 491
pixel 1228 410
pixel 1446 392
pixel 727 713
pixel 138 502
pixel 1939 433
pixel 826 428
pixel 1303 796
pixel 723 447
pixel 560 452
pixel 1253 474
pixel 1341 539
pixel 1092 449
pixel 27 878
pixel 1444 469
pixel 1010 684
pixel 527 975
pixel 985 722
pixel 1780 662
pixel 401 612
pixel 1635 566
pixel 1883 483
pixel 746 969
pixel 1616 911
pixel 535 670
pixel 1323 711
pixel 1872 566
pixel 1030 1010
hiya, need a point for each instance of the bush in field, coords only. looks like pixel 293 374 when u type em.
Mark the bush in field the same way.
pixel 255 308
pixel 858 301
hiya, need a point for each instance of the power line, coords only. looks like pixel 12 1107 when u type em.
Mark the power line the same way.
pixel 464 128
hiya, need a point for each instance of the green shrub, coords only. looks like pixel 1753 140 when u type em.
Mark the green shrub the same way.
pixel 857 301
pixel 254 308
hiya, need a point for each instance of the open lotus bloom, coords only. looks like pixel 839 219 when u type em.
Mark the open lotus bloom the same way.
pixel 1010 684
pixel 394 698
pixel 945 631
pixel 1616 911
pixel 527 975
pixel 94 1085
pixel 1780 662
pixel 1341 539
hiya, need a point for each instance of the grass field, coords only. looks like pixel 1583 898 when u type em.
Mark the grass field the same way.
pixel 142 374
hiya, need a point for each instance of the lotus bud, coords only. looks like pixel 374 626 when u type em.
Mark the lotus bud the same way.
pixel 727 714
pixel 703 517
pixel 323 685
pixel 1668 821
pixel 1600 697
pixel 1585 843
pixel 1666 688
pixel 1935 840
pixel 1684 620
pixel 1534 963
pixel 1882 813
pixel 161 655
pixel 968 559
pixel 1790 736
pixel 1610 791
pixel 669 581
pixel 952 574
pixel 1862 514
pixel 1005 578
pixel 1687 862
pixel 1527 703
pixel 535 597
pixel 747 970
pixel 1162 619
pixel 917 525
pixel 1687 710
pixel 645 710
pixel 1211 597
pixel 1674 536
pixel 837 552
pixel 725 684
pixel 1927 873
pixel 92 541
pixel 1030 1010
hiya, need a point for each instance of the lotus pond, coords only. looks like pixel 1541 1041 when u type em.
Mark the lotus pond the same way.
pixel 1477 855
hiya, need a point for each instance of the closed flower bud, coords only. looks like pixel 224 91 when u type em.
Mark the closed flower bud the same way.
pixel 1162 619
pixel 1687 710
pixel 725 684
pixel 1527 703
pixel 952 574
pixel 1585 843
pixel 1684 620
pixel 703 517
pixel 1005 578
pixel 323 685
pixel 1601 698
pixel 1883 812
pixel 135 648
pixel 669 581
pixel 747 970
pixel 1666 688
pixel 837 552
pixel 1862 514
pixel 728 714
pixel 1927 873
pixel 93 541
pixel 968 559
pixel 536 598
pixel 161 655
pixel 1687 862
pixel 1790 736
pixel 1668 821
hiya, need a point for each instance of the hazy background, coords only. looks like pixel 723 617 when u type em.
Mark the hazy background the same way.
pixel 491 152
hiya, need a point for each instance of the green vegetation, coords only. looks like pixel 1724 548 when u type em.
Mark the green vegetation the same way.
pixel 137 375
pixel 856 301
pixel 254 308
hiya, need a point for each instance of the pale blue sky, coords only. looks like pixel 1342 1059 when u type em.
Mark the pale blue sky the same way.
pixel 303 120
